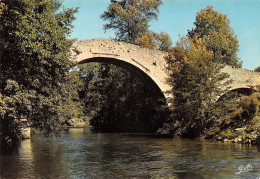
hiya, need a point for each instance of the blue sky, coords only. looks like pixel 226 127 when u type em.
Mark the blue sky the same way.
pixel 176 17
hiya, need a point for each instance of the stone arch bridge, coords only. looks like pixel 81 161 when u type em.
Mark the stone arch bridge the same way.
pixel 148 64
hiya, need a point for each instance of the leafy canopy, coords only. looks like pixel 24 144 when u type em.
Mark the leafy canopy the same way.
pixel 34 45
pixel 257 69
pixel 130 20
pixel 34 63
pixel 161 41
pixel 214 28
pixel 195 80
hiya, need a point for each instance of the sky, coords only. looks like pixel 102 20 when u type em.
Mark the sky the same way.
pixel 178 16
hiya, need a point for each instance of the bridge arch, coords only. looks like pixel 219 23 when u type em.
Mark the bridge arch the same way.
pixel 149 64
pixel 146 79
pixel 243 90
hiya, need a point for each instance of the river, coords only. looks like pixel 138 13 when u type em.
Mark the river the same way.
pixel 82 153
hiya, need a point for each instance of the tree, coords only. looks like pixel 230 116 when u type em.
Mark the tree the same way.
pixel 116 100
pixel 214 28
pixel 154 40
pixel 34 42
pixel 16 108
pixel 257 69
pixel 147 40
pixel 130 18
pixel 35 60
pixel 164 41
pixel 195 80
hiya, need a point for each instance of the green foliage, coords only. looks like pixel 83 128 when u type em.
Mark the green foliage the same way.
pixel 164 41
pixel 153 40
pixel 130 18
pixel 34 62
pixel 147 40
pixel 22 108
pixel 237 111
pixel 214 28
pixel 116 100
pixel 2 105
pixel 195 81
pixel 257 69
pixel 1 7
pixel 71 87
pixel 229 133
pixel 15 108
pixel 33 55
pixel 238 116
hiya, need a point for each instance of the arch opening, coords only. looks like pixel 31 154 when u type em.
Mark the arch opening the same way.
pixel 155 89
pixel 128 111
pixel 237 92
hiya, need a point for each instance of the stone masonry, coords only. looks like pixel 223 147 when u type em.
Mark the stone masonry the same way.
pixel 150 61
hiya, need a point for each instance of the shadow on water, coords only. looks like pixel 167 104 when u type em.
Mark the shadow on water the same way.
pixel 8 148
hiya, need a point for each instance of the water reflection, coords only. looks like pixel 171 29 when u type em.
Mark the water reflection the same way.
pixel 81 153
pixel 48 158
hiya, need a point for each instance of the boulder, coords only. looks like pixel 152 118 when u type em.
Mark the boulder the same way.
pixel 76 122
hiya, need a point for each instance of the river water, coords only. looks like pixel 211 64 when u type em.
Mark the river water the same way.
pixel 81 153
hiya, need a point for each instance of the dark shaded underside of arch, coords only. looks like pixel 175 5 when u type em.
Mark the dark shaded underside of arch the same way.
pixel 146 79
pixel 243 91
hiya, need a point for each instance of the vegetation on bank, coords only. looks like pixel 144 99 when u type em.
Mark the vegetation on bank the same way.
pixel 194 66
pixel 238 119
pixel 196 81
pixel 40 87
pixel 34 64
